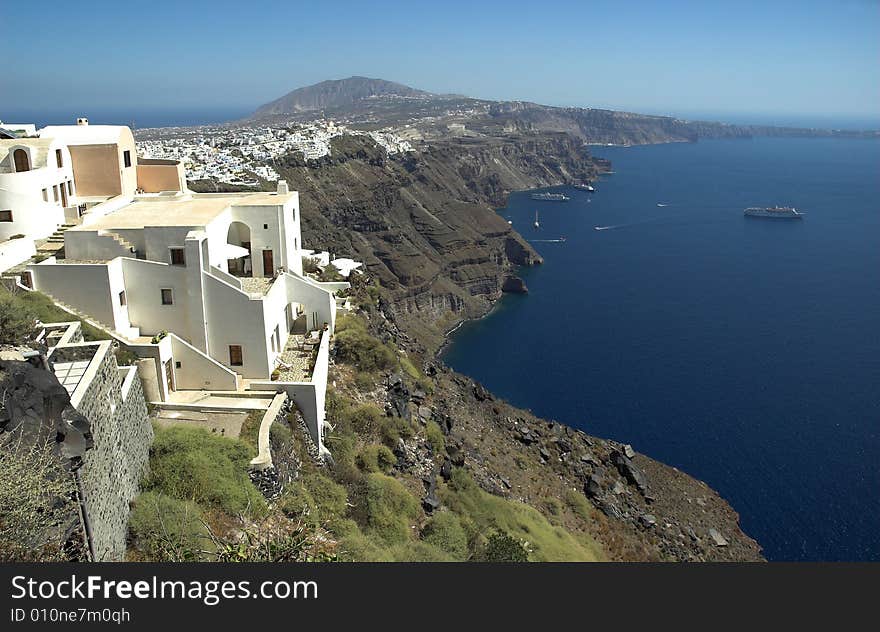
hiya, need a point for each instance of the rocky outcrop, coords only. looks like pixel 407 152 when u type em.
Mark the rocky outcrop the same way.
pixel 514 285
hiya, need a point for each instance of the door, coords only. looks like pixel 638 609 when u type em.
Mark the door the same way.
pixel 268 264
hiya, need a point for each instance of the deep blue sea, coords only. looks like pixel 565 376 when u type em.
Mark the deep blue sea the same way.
pixel 744 351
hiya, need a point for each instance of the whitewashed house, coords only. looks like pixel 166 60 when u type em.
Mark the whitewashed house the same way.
pixel 207 289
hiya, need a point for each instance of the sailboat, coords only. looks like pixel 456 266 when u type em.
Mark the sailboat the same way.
pixel 537 223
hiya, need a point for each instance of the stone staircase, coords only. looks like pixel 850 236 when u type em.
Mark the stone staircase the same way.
pixel 54 244
pixel 122 242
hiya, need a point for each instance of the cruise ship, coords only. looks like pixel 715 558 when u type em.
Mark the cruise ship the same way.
pixel 778 212
pixel 550 197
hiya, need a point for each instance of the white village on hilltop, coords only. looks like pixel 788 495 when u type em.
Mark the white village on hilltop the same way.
pixel 207 290
pixel 242 156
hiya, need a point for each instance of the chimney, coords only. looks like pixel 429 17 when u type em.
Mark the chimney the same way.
pixel 82 121
pixel 282 187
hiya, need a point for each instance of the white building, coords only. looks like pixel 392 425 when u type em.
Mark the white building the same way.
pixel 36 185
pixel 207 289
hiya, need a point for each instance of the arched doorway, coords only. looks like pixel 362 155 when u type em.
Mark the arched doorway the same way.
pixel 22 161
pixel 239 263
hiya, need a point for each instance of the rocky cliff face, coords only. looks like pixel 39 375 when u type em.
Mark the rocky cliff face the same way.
pixel 625 128
pixel 424 222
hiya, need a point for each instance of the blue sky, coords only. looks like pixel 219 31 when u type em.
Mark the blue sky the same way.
pixel 743 58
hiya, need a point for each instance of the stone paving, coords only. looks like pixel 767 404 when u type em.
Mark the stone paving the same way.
pixel 255 285
pixel 294 365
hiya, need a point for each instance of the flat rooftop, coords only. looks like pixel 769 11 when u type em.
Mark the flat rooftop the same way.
pixel 194 210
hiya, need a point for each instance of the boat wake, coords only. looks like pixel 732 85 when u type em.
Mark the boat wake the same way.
pixel 548 241
pixel 661 205
pixel 609 227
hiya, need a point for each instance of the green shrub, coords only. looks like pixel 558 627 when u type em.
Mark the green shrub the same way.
pixel 364 419
pixel 503 547
pixel 365 381
pixel 330 273
pixel 310 265
pixel 486 514
pixel 357 547
pixel 446 533
pixel 297 504
pixel 280 433
pixel 393 428
pixel 16 320
pixel 376 458
pixel 435 437
pixel 331 499
pixel 387 509
pixel 193 464
pixel 162 528
pixel 354 345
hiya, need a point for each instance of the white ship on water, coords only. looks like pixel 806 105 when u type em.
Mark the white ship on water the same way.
pixel 776 212
pixel 550 197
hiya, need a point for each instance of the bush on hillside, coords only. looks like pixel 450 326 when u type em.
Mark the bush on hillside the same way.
pixel 484 514
pixel 387 509
pixel 503 547
pixel 193 464
pixel 376 458
pixel 446 533
pixel 354 345
pixel 435 437
pixel 16 320
pixel 166 529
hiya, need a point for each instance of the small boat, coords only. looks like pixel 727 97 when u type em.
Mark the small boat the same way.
pixel 537 223
pixel 584 187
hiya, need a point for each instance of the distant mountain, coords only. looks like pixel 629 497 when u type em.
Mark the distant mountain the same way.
pixel 376 104
pixel 336 93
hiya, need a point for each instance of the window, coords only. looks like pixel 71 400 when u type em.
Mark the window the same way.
pixel 126 158
pixel 177 257
pixel 70 187
pixel 177 365
pixel 58 159
pixel 167 298
pixel 55 192
pixel 235 357
pixel 45 195
pixel 6 216
pixel 122 297
pixel 265 226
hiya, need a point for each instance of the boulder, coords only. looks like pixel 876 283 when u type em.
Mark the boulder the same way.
pixel 647 520
pixel 629 471
pixel 446 470
pixel 481 394
pixel 593 486
pixel 717 538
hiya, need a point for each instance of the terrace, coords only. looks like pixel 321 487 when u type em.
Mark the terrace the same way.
pixel 297 360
